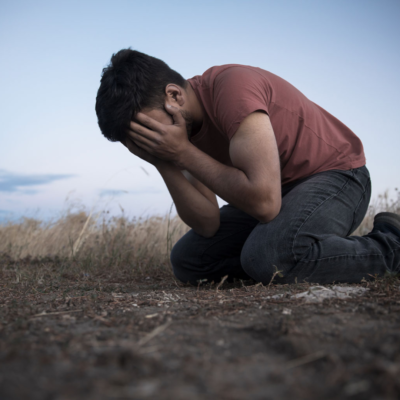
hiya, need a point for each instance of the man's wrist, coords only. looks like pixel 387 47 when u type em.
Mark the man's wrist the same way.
pixel 162 165
pixel 186 156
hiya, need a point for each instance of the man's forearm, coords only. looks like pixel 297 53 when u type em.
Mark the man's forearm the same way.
pixel 253 185
pixel 193 207
pixel 229 183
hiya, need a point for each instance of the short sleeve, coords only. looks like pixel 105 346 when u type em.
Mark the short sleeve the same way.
pixel 238 91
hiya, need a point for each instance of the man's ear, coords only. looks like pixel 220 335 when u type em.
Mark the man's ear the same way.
pixel 175 95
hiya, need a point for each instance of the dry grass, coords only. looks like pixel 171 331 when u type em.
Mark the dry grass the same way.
pixel 92 242
pixel 382 203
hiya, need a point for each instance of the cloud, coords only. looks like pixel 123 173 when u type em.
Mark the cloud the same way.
pixel 10 182
pixel 114 193
pixel 110 192
pixel 145 191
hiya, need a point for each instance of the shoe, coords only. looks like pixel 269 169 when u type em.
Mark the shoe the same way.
pixel 387 222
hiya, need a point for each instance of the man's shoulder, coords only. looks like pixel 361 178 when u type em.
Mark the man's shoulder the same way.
pixel 226 72
pixel 234 67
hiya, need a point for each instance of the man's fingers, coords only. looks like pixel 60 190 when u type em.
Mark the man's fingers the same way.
pixel 142 140
pixel 134 147
pixel 176 114
pixel 149 122
pixel 142 131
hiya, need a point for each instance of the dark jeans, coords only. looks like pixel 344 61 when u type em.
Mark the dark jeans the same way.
pixel 308 241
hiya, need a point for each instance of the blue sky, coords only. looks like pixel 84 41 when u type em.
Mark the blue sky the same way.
pixel 343 55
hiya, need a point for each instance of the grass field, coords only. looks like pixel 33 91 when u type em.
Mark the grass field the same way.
pixel 89 309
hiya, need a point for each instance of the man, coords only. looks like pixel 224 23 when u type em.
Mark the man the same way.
pixel 294 176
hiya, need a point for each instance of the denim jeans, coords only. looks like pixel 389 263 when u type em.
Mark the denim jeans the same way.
pixel 308 241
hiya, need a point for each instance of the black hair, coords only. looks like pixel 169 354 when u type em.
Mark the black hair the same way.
pixel 132 81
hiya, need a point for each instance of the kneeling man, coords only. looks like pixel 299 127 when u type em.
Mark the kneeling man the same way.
pixel 293 175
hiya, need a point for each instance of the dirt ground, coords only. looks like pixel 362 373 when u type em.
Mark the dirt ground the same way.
pixel 109 336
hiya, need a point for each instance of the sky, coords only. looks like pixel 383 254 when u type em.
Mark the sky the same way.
pixel 343 55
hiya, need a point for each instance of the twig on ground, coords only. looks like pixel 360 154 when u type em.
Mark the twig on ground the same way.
pixel 244 286
pixel 176 283
pixel 44 314
pixel 154 333
pixel 102 320
pixel 273 276
pixel 297 362
pixel 221 283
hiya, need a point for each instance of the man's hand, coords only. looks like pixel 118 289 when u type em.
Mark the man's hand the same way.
pixel 165 142
pixel 139 152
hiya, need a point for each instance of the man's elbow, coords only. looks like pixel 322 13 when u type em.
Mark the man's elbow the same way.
pixel 209 227
pixel 268 211
pixel 207 232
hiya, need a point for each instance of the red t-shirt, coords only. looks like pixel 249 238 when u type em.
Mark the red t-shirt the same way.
pixel 309 139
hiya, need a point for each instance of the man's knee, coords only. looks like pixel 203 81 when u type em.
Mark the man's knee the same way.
pixel 266 256
pixel 256 266
pixel 177 258
pixel 186 259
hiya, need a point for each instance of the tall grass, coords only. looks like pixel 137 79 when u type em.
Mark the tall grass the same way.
pixel 383 203
pixel 92 241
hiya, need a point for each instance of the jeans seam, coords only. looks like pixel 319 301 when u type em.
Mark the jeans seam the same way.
pixel 313 211
pixel 365 255
pixel 346 255
pixel 358 206
pixel 354 256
